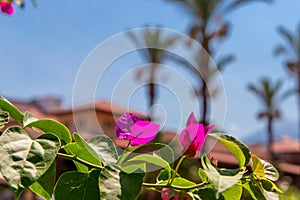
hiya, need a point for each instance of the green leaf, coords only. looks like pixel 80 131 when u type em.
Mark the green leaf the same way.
pixel 28 118
pixel 269 185
pixel 257 166
pixel 44 186
pixel 131 184
pixel 54 127
pixel 181 182
pixel 115 184
pixel 3 119
pixel 207 193
pixel 105 148
pixel 77 186
pixel 132 168
pixel 157 149
pixel 202 175
pixel 219 181
pixel 150 159
pixel 233 193
pixel 254 190
pixel 85 151
pixel 40 191
pixel 23 160
pixel 11 109
pixel 270 171
pixel 262 168
pixel 236 147
pixel 72 149
pixel 164 175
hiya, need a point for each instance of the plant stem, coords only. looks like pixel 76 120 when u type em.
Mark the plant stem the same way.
pixel 153 185
pixel 176 169
pixel 123 153
pixel 74 158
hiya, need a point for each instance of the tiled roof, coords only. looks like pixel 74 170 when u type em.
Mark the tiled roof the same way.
pixel 289 168
pixel 24 106
pixel 101 105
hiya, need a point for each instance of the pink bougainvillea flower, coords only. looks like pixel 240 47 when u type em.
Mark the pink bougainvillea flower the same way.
pixel 130 127
pixel 193 136
pixel 7 8
pixel 168 194
pixel 165 194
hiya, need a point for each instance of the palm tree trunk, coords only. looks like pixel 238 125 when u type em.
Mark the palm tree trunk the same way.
pixel 299 109
pixel 151 87
pixel 205 45
pixel 204 102
pixel 270 138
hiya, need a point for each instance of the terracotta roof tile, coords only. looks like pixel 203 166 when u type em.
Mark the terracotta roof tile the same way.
pixel 289 168
pixel 101 105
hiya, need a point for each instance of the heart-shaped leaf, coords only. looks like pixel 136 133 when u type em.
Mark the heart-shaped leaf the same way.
pixel 150 159
pixel 115 184
pixel 11 109
pixel 262 168
pixel 77 186
pixel 269 185
pixel 23 160
pixel 257 166
pixel 207 193
pixel 233 193
pixel 179 181
pixel 105 148
pixel 29 118
pixel 254 190
pixel 236 147
pixel 38 189
pixel 221 179
pixel 73 149
pixel 157 149
pixel 164 175
pixel 202 175
pixel 54 127
pixel 44 186
pixel 85 151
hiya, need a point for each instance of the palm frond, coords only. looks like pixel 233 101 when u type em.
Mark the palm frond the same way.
pixel 293 67
pixel 225 61
pixel 279 50
pixel 186 64
pixel 288 93
pixel 267 92
pixel 255 90
pixel 237 3
pixel 286 34
pixel 289 37
pixel 221 32
pixel 134 38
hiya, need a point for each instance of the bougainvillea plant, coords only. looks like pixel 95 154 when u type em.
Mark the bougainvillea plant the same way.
pixel 105 173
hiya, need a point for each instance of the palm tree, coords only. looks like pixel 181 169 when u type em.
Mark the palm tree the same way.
pixel 154 55
pixel 208 26
pixel 267 92
pixel 204 72
pixel 291 50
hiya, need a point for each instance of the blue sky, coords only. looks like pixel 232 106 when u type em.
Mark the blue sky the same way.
pixel 42 49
